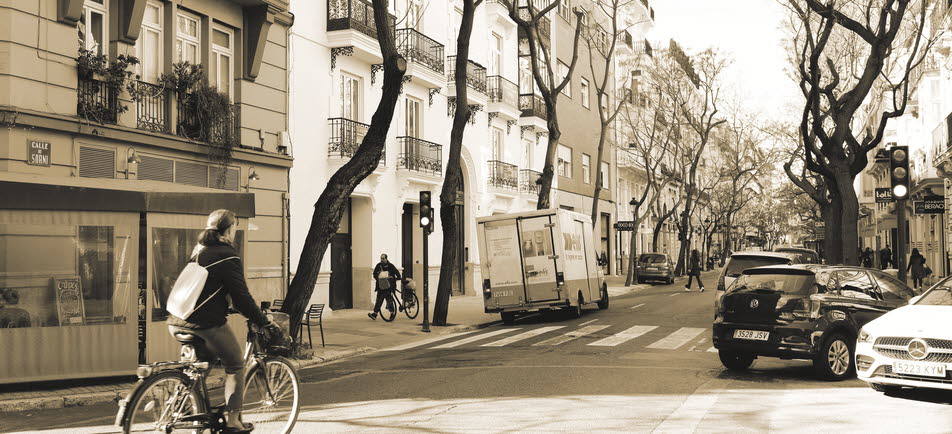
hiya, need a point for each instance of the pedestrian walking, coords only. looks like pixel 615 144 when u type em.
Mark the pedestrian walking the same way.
pixel 885 257
pixel 868 258
pixel 385 276
pixel 694 271
pixel 917 268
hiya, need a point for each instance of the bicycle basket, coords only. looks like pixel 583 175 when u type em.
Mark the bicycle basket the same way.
pixel 277 341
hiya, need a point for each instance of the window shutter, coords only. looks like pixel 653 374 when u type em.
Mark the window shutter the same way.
pixel 191 174
pixel 97 163
pixel 156 169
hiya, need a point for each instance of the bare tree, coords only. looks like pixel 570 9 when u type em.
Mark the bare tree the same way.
pixel 453 182
pixel 331 204
pixel 527 19
pixel 852 59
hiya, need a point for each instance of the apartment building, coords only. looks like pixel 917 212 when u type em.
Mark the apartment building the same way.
pixel 105 181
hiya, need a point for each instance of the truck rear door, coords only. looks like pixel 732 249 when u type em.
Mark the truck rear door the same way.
pixel 501 248
pixel 538 258
pixel 576 238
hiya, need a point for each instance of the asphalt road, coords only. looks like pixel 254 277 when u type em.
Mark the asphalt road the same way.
pixel 645 364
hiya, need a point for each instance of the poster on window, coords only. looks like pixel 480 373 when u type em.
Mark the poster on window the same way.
pixel 69 301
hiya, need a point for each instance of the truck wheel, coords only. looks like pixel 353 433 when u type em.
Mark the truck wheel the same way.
pixel 603 303
pixel 508 317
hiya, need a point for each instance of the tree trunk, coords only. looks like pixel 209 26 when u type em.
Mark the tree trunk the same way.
pixel 330 205
pixel 548 171
pixel 632 275
pixel 848 236
pixel 454 173
pixel 598 174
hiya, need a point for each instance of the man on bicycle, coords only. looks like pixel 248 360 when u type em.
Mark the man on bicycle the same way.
pixel 385 276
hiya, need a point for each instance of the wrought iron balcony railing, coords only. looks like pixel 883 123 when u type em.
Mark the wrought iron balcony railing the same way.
pixel 97 101
pixel 532 106
pixel 503 175
pixel 528 181
pixel 195 123
pixel 354 14
pixel 417 47
pixel 475 73
pixel 420 155
pixel 346 136
pixel 502 90
pixel 152 108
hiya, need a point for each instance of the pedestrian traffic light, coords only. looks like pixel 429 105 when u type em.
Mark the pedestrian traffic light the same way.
pixel 426 211
pixel 899 171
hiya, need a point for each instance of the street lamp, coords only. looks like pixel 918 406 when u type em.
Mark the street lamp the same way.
pixel 633 257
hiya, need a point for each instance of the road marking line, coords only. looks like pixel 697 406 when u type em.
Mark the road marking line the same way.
pixel 695 407
pixel 474 338
pixel 623 336
pixel 676 293
pixel 712 350
pixel 636 307
pixel 677 339
pixel 588 322
pixel 521 336
pixel 559 340
pixel 419 343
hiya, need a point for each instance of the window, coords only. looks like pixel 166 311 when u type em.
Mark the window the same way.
pixel 93 26
pixel 565 9
pixel 892 289
pixel 495 55
pixel 857 284
pixel 564 161
pixel 604 175
pixel 222 70
pixel 527 153
pixel 350 97
pixel 586 168
pixel 149 44
pixel 414 117
pixel 414 15
pixel 584 92
pixel 187 39
pixel 498 140
pixel 563 71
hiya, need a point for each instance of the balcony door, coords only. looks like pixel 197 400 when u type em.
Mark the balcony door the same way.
pixel 497 142
pixel 414 118
pixel 149 45
pixel 188 39
pixel 495 55
pixel 222 70
pixel 349 97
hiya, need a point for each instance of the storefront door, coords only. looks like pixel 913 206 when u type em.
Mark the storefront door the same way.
pixel 342 295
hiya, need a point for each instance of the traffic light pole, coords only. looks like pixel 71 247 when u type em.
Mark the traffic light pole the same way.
pixel 901 239
pixel 426 280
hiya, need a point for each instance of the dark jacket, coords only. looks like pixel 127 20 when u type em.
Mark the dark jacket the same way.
pixel 228 275
pixel 917 266
pixel 694 268
pixel 389 268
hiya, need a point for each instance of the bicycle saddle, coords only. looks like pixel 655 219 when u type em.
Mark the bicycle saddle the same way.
pixel 196 342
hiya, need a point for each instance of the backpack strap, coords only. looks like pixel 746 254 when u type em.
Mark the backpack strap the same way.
pixel 216 291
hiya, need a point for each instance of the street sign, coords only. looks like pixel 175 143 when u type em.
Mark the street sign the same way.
pixel 38 153
pixel 930 206
pixel 884 195
pixel 625 225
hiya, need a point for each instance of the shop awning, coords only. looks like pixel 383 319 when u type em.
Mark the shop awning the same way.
pixel 34 192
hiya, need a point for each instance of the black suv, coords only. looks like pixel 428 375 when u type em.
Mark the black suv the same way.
pixel 811 312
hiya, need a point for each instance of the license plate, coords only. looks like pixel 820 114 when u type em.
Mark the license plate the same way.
pixel 921 369
pixel 755 335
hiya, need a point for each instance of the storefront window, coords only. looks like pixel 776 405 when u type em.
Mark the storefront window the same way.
pixel 171 250
pixel 62 275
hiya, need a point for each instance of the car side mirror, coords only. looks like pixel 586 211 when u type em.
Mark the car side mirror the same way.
pixel 915 299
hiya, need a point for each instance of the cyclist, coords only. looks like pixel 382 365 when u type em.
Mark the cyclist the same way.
pixel 386 275
pixel 225 279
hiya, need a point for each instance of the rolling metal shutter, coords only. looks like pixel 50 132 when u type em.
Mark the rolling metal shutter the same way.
pixel 156 169
pixel 97 163
pixel 191 173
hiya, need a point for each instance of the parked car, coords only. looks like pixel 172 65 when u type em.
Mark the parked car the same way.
pixel 656 267
pixel 811 312
pixel 740 261
pixel 910 346
pixel 802 255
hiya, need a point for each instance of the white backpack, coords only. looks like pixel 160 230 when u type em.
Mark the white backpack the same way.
pixel 188 287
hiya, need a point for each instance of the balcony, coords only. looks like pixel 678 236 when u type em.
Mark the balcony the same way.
pixel 528 181
pixel 503 97
pixel 503 175
pixel 346 136
pixel 532 106
pixel 152 107
pixel 352 30
pixel 545 24
pixel 475 74
pixel 420 156
pixel 217 129
pixel 97 101
pixel 424 56
pixel 643 47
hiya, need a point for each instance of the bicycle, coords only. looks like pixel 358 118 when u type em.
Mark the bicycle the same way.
pixel 173 396
pixel 410 304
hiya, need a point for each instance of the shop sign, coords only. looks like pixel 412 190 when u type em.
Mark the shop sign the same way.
pixel 884 195
pixel 625 225
pixel 930 206
pixel 38 153
pixel 69 301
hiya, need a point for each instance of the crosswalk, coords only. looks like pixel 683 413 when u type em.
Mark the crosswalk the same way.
pixel 594 334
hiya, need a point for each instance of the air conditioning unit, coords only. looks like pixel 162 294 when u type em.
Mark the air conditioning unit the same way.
pixel 284 143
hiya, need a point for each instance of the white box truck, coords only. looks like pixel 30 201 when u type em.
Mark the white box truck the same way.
pixel 539 260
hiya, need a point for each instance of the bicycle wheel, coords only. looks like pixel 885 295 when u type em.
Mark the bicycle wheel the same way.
pixel 412 306
pixel 159 402
pixel 388 311
pixel 272 396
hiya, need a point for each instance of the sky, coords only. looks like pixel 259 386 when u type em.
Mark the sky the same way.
pixel 749 31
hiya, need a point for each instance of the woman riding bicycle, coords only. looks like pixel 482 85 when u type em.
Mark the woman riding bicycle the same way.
pixel 225 279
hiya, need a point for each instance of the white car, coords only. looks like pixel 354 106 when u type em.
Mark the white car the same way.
pixel 910 346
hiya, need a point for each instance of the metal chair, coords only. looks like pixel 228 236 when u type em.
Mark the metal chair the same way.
pixel 277 304
pixel 313 314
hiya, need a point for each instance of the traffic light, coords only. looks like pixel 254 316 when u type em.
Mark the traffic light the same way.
pixel 899 171
pixel 426 212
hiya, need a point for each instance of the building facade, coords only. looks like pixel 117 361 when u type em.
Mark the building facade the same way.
pixel 107 179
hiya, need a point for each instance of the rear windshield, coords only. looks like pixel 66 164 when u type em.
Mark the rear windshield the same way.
pixel 793 284
pixel 738 264
pixel 800 256
pixel 652 259
pixel 940 295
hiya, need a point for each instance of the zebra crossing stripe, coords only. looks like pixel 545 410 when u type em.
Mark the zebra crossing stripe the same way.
pixel 623 336
pixel 680 337
pixel 574 334
pixel 521 336
pixel 474 338
pixel 422 342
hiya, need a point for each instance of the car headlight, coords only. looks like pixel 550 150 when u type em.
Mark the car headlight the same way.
pixel 864 337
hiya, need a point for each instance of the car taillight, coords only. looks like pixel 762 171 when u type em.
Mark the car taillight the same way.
pixel 486 288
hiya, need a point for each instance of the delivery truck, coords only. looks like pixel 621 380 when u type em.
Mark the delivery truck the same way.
pixel 539 260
